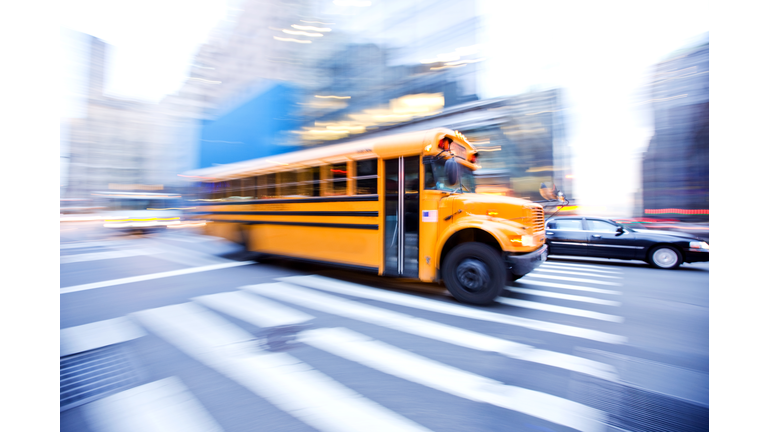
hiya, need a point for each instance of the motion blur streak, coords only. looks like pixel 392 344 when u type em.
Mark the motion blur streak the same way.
pixel 180 125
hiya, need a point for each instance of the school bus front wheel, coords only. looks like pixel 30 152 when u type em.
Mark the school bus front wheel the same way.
pixel 474 273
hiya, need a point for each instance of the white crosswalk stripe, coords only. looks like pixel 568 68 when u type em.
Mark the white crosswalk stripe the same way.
pixel 566 286
pixel 579 273
pixel 97 334
pixel 357 290
pixel 283 380
pixel 254 309
pixel 160 406
pixel 559 309
pixel 420 327
pixel 134 279
pixel 571 279
pixel 593 269
pixel 406 365
pixel 549 294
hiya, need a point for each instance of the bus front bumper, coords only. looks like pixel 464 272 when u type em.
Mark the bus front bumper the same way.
pixel 520 265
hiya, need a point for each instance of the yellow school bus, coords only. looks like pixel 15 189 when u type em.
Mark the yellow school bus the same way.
pixel 401 206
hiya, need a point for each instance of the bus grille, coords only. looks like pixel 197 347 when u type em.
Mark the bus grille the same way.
pixel 537 219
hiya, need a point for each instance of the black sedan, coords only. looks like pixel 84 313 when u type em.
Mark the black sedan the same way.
pixel 606 238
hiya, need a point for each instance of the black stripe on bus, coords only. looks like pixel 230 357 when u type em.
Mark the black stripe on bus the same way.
pixel 291 201
pixel 293 213
pixel 309 224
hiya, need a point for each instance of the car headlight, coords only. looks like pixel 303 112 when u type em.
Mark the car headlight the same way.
pixel 699 245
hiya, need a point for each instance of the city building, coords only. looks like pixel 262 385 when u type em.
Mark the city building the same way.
pixel 521 141
pixel 676 164
pixel 364 92
pixel 110 143
pixel 251 130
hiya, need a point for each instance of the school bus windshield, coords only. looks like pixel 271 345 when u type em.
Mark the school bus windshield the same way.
pixel 434 177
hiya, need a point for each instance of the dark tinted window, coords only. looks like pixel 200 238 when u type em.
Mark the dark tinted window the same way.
pixel 568 224
pixel 366 167
pixel 366 177
pixel 270 188
pixel 602 226
pixel 339 179
pixel 313 177
pixel 289 183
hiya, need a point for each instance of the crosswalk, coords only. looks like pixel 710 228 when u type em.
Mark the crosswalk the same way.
pixel 210 329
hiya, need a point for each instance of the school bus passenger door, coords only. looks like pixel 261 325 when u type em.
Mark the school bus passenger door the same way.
pixel 401 214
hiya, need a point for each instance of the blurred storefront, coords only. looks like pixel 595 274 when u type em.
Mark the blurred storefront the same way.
pixel 676 164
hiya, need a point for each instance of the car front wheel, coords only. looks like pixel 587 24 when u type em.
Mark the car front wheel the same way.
pixel 665 257
pixel 474 273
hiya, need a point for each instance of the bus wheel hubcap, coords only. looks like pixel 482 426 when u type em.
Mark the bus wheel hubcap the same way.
pixel 473 274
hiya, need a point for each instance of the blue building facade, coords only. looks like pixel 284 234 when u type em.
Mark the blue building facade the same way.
pixel 251 130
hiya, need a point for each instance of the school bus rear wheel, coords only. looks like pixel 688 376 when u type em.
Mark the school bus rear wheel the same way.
pixel 474 273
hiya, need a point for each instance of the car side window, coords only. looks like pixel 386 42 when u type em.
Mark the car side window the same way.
pixel 568 224
pixel 601 226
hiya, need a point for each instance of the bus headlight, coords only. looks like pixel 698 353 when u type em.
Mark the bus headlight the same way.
pixel 525 240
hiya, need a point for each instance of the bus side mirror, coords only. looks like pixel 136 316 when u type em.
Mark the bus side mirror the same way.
pixel 452 171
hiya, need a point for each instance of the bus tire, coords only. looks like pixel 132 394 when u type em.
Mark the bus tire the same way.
pixel 474 273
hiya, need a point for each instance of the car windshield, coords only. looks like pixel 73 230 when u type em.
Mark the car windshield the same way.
pixel 434 177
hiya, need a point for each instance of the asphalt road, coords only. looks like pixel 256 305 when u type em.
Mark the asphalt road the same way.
pixel 169 332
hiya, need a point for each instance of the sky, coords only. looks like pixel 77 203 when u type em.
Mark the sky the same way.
pixel 153 41
pixel 600 52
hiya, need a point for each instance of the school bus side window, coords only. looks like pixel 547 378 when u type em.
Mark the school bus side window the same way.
pixel 338 179
pixel 288 183
pixel 270 188
pixel 219 189
pixel 312 181
pixel 249 187
pixel 234 188
pixel 366 178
